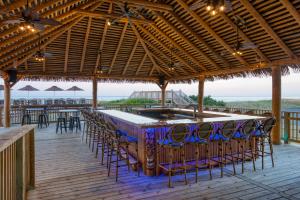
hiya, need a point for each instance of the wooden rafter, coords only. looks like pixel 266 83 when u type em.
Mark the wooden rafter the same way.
pixel 44 61
pixel 146 4
pixel 88 29
pixel 48 13
pixel 203 42
pixel 174 43
pixel 103 15
pixel 26 65
pixel 166 48
pixel 102 39
pixel 243 35
pixel 67 51
pixel 267 27
pixel 27 38
pixel 293 11
pixel 118 48
pixel 159 52
pixel 178 32
pixel 141 64
pixel 209 30
pixel 130 57
pixel 148 52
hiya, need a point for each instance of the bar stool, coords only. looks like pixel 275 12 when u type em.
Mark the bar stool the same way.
pixel 243 136
pixel 75 123
pixel 200 137
pixel 173 141
pixel 118 144
pixel 26 119
pixel 42 120
pixel 263 136
pixel 223 137
pixel 61 123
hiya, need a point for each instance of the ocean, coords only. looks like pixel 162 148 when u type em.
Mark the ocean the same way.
pixel 15 94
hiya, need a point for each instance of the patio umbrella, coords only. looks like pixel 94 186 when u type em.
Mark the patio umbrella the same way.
pixel 74 89
pixel 54 89
pixel 28 88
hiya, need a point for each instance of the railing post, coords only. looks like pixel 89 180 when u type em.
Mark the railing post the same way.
pixel 287 128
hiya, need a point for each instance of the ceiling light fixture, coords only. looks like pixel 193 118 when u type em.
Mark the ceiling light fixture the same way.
pixel 215 6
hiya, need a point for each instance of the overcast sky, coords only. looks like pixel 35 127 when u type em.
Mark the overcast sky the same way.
pixel 253 87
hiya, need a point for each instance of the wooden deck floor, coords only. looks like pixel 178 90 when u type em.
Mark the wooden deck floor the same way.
pixel 66 169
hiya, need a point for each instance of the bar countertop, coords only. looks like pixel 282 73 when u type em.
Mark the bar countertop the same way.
pixel 144 122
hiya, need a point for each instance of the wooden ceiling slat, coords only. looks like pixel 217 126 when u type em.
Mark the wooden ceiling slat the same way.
pixel 266 27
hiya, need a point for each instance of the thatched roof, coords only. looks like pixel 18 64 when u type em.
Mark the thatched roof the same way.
pixel 139 50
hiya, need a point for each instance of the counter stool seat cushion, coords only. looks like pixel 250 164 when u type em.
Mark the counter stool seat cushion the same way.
pixel 239 135
pixel 218 137
pixel 195 140
pixel 124 137
pixel 170 143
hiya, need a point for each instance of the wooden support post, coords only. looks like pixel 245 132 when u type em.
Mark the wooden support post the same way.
pixel 163 92
pixel 94 92
pixel 201 93
pixel 6 103
pixel 276 102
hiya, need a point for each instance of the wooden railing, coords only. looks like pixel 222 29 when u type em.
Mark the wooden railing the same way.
pixel 17 167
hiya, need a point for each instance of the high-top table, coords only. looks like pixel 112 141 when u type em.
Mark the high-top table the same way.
pixel 148 130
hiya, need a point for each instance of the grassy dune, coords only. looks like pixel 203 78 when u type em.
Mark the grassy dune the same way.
pixel 265 104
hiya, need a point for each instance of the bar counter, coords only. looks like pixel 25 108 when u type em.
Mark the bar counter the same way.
pixel 148 130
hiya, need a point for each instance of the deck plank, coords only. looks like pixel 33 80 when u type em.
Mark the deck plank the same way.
pixel 67 169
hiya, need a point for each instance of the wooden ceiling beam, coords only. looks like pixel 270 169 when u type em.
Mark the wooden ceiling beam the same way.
pixel 141 64
pixel 252 67
pixel 210 30
pixel 87 34
pixel 174 43
pixel 15 5
pixel 118 47
pixel 84 76
pixel 148 52
pixel 67 51
pixel 145 4
pixel 102 39
pixel 26 38
pixel 130 56
pixel 147 33
pixel 103 15
pixel 292 10
pixel 243 35
pixel 262 22
pixel 29 53
pixel 201 40
pixel 21 51
pixel 45 14
pixel 178 32
pixel 44 61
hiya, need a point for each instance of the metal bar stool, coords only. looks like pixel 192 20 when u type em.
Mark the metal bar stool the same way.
pixel 61 123
pixel 200 137
pixel 263 136
pixel 223 137
pixel 173 141
pixel 243 136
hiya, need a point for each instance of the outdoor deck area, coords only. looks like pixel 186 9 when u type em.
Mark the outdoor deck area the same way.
pixel 67 169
